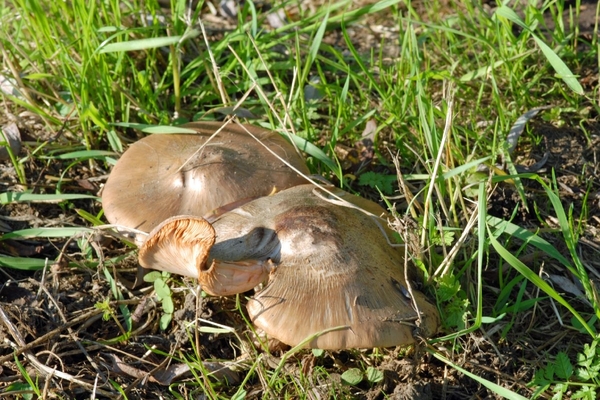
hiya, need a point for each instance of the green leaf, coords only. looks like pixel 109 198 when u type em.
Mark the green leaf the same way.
pixel 107 29
pixel 352 377
pixel 564 368
pixel 312 150
pixel 318 352
pixel 539 380
pixel 560 67
pixel 45 232
pixel 586 393
pixel 23 263
pixel 374 375
pixel 152 276
pixel 515 230
pixel 167 305
pixel 157 129
pixel 445 236
pixel 14 197
pixel 549 372
pixel 165 320
pixel 28 378
pixel 82 155
pixel 591 350
pixel 162 289
pixel 559 390
pixel 591 323
pixel 316 42
pixel 379 181
pixel 19 387
pixel 89 217
pixel 239 395
pixel 589 362
pixel 511 15
pixel 524 270
pixel 448 287
pixel 464 168
pixel 585 374
pixel 491 320
pixel 456 313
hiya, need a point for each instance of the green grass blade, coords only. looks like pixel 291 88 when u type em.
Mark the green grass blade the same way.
pixel 317 40
pixel 511 229
pixel 23 263
pixel 571 242
pixel 15 197
pixel 81 155
pixel 312 150
pixel 499 390
pixel 511 15
pixel 535 279
pixel 89 217
pixel 559 66
pixel 156 129
pixel 465 167
pixel 45 232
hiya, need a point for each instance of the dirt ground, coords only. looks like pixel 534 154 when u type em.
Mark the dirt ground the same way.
pixel 54 311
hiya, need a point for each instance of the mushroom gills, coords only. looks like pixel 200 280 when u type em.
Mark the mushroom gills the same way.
pixel 178 245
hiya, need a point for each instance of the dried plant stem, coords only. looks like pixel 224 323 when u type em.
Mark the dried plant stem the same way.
pixel 50 335
pixel 40 367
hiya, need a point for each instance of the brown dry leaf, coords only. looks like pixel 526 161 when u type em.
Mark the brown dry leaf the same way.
pixel 568 286
pixel 365 145
pixel 18 249
pixel 86 184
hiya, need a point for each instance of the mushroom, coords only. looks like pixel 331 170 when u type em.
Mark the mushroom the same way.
pixel 163 175
pixel 325 267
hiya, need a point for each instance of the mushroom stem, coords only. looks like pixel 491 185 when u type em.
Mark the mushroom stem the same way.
pixel 225 278
pixel 182 245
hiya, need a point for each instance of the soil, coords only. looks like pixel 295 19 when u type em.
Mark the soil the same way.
pixel 58 311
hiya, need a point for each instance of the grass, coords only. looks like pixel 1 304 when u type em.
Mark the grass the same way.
pixel 441 86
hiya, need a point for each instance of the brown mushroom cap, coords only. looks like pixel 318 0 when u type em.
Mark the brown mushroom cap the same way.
pixel 162 176
pixel 332 267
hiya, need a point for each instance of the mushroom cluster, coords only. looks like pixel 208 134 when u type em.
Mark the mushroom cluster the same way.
pixel 331 279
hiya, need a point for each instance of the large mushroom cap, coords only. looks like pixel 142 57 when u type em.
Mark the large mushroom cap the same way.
pixel 331 267
pixel 162 176
pixel 336 270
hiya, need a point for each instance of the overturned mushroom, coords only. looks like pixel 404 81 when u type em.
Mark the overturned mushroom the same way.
pixel 324 266
pixel 165 175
